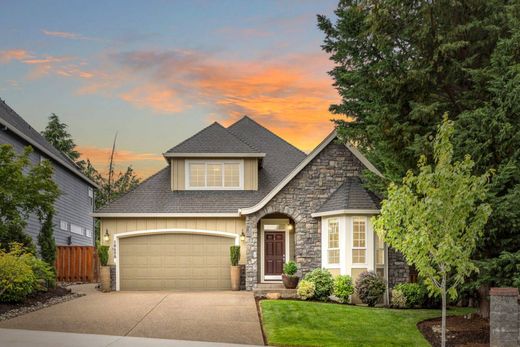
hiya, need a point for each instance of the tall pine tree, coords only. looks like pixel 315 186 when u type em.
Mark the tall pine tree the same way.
pixel 400 65
pixel 56 133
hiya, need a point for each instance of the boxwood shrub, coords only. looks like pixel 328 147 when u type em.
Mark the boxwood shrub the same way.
pixel 414 293
pixel 343 288
pixel 323 283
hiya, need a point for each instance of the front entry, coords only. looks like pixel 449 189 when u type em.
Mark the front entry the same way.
pixel 274 252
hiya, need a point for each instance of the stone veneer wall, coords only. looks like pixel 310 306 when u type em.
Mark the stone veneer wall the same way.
pixel 398 270
pixel 504 319
pixel 298 199
pixel 113 277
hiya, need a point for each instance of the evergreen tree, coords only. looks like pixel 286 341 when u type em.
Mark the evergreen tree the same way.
pixel 56 133
pixel 46 240
pixel 399 65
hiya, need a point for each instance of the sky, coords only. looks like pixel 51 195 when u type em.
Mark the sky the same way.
pixel 156 72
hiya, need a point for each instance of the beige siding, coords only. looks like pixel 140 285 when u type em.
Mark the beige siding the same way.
pixel 122 225
pixel 251 174
pixel 178 173
pixel 177 170
pixel 355 274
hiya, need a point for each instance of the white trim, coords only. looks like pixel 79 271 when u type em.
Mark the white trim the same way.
pixel 281 222
pixel 49 153
pixel 165 231
pixel 301 166
pixel 352 248
pixel 325 244
pixel 153 215
pixel 214 155
pixel 222 162
pixel 348 211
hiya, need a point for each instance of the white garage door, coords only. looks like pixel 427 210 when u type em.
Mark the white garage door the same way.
pixel 175 262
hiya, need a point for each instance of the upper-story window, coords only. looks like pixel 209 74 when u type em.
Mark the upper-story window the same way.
pixel 214 174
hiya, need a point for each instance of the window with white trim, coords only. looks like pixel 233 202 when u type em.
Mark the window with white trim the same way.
pixel 214 174
pixel 76 229
pixel 359 238
pixel 380 251
pixel 88 233
pixel 64 225
pixel 333 242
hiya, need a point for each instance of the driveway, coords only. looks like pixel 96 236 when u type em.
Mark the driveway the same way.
pixel 201 316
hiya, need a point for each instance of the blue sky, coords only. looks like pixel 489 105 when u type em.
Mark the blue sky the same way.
pixel 158 71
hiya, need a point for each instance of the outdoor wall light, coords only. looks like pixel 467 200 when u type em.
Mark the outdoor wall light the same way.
pixel 289 227
pixel 242 236
pixel 106 237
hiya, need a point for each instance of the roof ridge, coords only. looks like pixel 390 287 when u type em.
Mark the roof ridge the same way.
pixel 198 132
pixel 242 140
pixel 260 125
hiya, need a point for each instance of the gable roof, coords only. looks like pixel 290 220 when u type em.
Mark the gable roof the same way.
pixel 154 197
pixel 214 140
pixel 17 125
pixel 350 196
pixel 332 136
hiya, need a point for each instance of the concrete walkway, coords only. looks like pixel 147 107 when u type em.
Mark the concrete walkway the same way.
pixel 23 338
pixel 229 317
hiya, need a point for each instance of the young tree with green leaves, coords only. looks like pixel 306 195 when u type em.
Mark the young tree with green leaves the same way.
pixel 399 65
pixel 56 133
pixel 26 188
pixel 436 217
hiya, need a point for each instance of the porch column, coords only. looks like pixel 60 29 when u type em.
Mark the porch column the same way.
pixel 251 252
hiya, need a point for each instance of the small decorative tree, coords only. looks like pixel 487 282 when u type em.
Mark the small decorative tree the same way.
pixel 46 241
pixel 234 255
pixel 436 217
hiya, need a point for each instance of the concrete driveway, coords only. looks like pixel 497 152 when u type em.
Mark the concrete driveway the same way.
pixel 201 316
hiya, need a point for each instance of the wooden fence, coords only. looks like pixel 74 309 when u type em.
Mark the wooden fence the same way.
pixel 77 264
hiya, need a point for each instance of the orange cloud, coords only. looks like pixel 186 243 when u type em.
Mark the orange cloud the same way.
pixel 159 99
pixel 66 35
pixel 13 54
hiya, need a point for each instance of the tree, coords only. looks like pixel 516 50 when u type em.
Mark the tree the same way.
pixel 56 133
pixel 26 188
pixel 399 65
pixel 46 240
pixel 435 218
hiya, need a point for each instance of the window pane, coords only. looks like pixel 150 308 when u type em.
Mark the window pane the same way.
pixel 197 175
pixel 358 256
pixel 231 175
pixel 333 234
pixel 333 256
pixel 214 175
pixel 359 233
pixel 380 251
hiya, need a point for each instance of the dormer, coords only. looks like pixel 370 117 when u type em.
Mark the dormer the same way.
pixel 214 159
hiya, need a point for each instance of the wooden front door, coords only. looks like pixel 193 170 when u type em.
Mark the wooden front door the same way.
pixel 274 252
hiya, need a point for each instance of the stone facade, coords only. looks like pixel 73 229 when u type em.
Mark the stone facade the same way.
pixel 398 270
pixel 113 277
pixel 298 199
pixel 504 320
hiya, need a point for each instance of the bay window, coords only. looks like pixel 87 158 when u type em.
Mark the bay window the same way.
pixel 333 242
pixel 359 238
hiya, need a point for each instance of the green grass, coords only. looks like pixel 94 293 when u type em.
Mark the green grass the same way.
pixel 300 323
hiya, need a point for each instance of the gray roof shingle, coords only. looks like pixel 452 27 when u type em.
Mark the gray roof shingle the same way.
pixel 213 139
pixel 8 115
pixel 351 195
pixel 154 195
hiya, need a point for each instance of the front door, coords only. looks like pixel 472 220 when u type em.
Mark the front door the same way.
pixel 274 252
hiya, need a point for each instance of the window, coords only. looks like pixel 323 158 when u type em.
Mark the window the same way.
pixel 359 240
pixel 88 233
pixel 76 229
pixel 64 225
pixel 333 242
pixel 91 195
pixel 214 174
pixel 380 251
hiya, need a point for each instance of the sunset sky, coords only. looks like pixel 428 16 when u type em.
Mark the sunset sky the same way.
pixel 158 71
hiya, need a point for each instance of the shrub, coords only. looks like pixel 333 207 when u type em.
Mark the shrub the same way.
pixel 290 268
pixel 306 290
pixel 102 252
pixel 398 299
pixel 17 279
pixel 45 274
pixel 343 288
pixel 323 283
pixel 414 293
pixel 234 255
pixel 46 240
pixel 370 288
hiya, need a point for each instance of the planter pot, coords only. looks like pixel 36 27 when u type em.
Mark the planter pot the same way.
pixel 105 278
pixel 235 277
pixel 290 282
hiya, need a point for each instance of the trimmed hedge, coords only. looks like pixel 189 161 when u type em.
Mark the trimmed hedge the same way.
pixel 323 283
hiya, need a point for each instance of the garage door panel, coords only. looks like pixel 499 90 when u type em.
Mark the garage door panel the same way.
pixel 175 262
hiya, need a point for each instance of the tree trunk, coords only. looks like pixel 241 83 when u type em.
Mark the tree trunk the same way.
pixel 483 300
pixel 443 327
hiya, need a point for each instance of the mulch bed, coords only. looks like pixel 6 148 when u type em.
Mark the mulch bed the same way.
pixel 462 331
pixel 36 301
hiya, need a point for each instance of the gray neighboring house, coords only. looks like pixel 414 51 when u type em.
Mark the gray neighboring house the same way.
pixel 73 222
pixel 243 185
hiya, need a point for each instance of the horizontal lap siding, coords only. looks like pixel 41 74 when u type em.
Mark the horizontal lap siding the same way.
pixel 73 205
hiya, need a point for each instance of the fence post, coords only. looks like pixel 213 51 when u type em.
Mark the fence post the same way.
pixel 504 321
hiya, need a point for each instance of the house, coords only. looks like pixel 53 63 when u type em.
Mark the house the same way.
pixel 73 222
pixel 243 185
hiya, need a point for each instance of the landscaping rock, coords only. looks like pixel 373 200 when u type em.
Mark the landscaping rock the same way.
pixel 273 296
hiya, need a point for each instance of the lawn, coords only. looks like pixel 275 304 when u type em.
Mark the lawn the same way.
pixel 300 323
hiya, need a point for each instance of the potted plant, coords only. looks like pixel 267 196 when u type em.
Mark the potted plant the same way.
pixel 234 253
pixel 102 252
pixel 289 278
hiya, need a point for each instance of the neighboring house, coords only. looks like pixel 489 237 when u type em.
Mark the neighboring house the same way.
pixel 73 222
pixel 244 185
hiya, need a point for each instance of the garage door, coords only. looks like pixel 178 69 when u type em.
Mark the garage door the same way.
pixel 175 262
